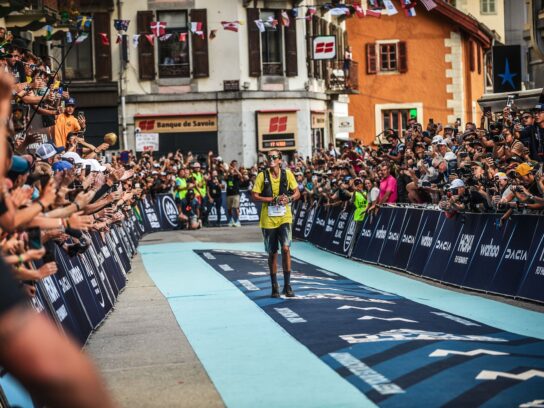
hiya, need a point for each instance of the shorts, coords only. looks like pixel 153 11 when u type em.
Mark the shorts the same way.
pixel 233 201
pixel 274 238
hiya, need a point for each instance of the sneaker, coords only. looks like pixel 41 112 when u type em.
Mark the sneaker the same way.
pixel 288 291
pixel 231 223
pixel 237 224
pixel 275 291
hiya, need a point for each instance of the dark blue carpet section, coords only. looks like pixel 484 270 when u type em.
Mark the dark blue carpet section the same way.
pixel 399 353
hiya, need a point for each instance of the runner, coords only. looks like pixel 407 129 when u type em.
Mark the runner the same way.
pixel 276 188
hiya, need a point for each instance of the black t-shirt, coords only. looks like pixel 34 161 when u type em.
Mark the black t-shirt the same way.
pixel 214 189
pixel 233 185
pixel 10 294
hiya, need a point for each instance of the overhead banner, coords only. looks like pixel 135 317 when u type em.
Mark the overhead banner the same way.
pixel 176 124
pixel 277 130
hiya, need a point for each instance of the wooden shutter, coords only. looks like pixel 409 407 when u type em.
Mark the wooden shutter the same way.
pixel 253 42
pixel 371 63
pixel 402 57
pixel 479 57
pixel 102 53
pixel 316 30
pixel 146 56
pixel 324 63
pixel 199 45
pixel 291 64
pixel 309 62
pixel 471 55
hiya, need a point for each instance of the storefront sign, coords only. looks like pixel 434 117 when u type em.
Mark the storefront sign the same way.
pixel 318 120
pixel 344 124
pixel 177 124
pixel 277 130
pixel 324 47
pixel 146 142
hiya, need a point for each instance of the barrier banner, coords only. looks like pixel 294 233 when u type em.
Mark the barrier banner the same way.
pixel 532 286
pixel 249 210
pixel 295 207
pixel 310 219
pixel 103 260
pixel 428 225
pixel 350 237
pixel 387 253
pixel 520 231
pixel 472 230
pixel 318 228
pixel 328 231
pixel 168 212
pixel 298 228
pixel 443 245
pixel 408 238
pixel 337 243
pixel 366 235
pixel 374 249
pixel 149 215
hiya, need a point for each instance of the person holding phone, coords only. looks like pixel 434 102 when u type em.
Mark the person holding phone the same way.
pixel 66 122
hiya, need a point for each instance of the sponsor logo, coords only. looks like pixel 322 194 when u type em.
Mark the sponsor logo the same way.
pixel 170 211
pixel 277 124
pixel 349 236
pixel 408 239
pixel 408 334
pixel 309 222
pixel 289 315
pixel 443 245
pixel 324 47
pixel 366 233
pixel 490 250
pixel 93 280
pixel 465 243
pixel 147 125
pixel 381 233
pixel 393 236
pixel 427 240
pixel 516 254
pixel 76 275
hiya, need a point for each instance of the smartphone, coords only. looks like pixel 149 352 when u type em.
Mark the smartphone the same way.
pixel 81 115
pixel 510 101
pixel 34 238
pixel 87 170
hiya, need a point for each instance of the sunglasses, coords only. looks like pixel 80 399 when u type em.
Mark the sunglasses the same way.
pixel 273 157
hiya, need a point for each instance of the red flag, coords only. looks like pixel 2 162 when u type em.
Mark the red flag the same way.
pixel 158 28
pixel 104 38
pixel 182 37
pixel 231 25
pixel 150 38
pixel 285 19
pixel 373 13
pixel 359 10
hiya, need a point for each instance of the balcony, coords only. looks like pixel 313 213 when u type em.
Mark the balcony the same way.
pixel 336 81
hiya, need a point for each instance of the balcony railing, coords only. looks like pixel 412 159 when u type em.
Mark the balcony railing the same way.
pixel 337 82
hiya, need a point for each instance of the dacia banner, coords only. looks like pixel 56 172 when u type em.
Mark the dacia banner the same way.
pixel 393 236
pixel 250 211
pixel 300 223
pixel 425 241
pixel 408 239
pixel 338 242
pixel 330 228
pixel 318 229
pixel 366 236
pixel 532 286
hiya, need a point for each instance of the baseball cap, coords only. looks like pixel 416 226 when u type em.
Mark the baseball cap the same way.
pixel 48 150
pixel 62 165
pixel 95 165
pixel 70 101
pixel 196 165
pixel 539 107
pixel 501 176
pixel 449 126
pixel 457 183
pixel 19 165
pixel 523 169
pixel 437 140
pixel 74 156
pixel 449 156
pixel 357 182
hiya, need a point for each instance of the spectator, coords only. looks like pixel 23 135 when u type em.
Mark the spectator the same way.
pixel 234 179
pixel 66 123
pixel 388 185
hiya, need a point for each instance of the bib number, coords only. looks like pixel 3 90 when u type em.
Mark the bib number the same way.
pixel 276 210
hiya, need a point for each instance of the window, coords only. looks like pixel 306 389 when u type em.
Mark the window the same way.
pixel 271 50
pixel 488 7
pixel 174 59
pixel 79 61
pixel 388 57
pixel 397 119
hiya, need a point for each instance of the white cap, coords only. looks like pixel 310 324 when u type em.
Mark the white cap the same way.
pixel 449 156
pixel 74 156
pixel 437 139
pixel 95 165
pixel 457 183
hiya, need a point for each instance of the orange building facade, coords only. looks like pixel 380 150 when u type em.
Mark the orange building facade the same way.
pixel 430 66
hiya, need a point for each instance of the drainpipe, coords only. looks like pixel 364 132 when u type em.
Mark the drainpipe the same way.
pixel 122 88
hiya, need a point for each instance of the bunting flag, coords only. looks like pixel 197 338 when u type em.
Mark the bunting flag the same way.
pixel 150 38
pixel 119 38
pixel 359 12
pixel 271 23
pixel 158 28
pixel 294 12
pixel 182 37
pixel 84 22
pixel 121 25
pixel 373 13
pixel 104 38
pixel 196 28
pixel 49 30
pixel 82 37
pixel 135 40
pixel 165 37
pixel 429 4
pixel 339 11
pixel 311 11
pixel 409 8
pixel 285 19
pixel 390 7
pixel 231 25
pixel 213 34
pixel 260 25
pixel 69 37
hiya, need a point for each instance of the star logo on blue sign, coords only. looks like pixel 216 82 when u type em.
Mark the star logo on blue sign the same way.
pixel 507 76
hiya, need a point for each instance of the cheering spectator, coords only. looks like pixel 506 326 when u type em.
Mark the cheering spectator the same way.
pixel 66 123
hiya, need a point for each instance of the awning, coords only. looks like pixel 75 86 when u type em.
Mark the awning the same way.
pixel 523 99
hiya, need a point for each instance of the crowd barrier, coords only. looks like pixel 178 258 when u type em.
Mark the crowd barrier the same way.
pixel 249 210
pixel 468 250
pixel 85 288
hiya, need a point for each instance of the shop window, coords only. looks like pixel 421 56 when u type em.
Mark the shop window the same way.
pixel 174 60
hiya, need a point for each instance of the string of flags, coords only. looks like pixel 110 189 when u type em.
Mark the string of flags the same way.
pixel 158 29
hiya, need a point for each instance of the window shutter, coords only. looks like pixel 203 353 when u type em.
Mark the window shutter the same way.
pixel 146 57
pixel 479 56
pixel 316 30
pixel 471 55
pixel 309 45
pixel 254 43
pixel 199 45
pixel 403 58
pixel 102 53
pixel 371 63
pixel 324 63
pixel 291 63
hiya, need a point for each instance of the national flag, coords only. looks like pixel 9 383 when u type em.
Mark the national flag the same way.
pixel 271 22
pixel 260 25
pixel 294 12
pixel 339 11
pixel 373 13
pixel 165 37
pixel 82 37
pixel 158 28
pixel 182 37
pixel 135 40
pixel 390 7
pixel 359 12
pixel 429 4
pixel 409 7
pixel 121 25
pixel 104 38
pixel 231 25
pixel 285 19
pixel 196 28
pixel 49 30
pixel 69 38
pixel 84 22
pixel 150 38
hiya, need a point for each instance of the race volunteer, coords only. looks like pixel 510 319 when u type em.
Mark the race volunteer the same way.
pixel 276 188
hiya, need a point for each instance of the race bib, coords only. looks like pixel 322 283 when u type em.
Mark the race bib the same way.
pixel 276 210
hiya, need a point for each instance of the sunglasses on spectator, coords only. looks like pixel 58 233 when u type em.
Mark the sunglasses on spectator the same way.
pixel 526 117
pixel 273 157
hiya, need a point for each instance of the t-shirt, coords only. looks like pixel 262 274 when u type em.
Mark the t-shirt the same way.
pixel 214 189
pixel 181 187
pixel 233 185
pixel 64 125
pixel 389 184
pixel 10 294
pixel 361 204
pixel 266 221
